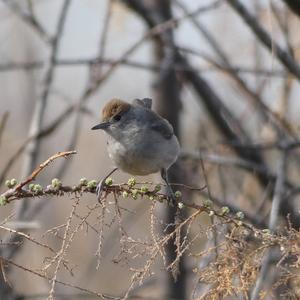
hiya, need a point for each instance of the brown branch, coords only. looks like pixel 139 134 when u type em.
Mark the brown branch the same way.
pixel 18 192
pixel 116 189
pixel 43 165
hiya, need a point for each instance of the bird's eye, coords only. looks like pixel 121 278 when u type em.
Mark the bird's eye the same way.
pixel 117 117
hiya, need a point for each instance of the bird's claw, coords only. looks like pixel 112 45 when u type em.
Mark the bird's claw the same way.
pixel 99 190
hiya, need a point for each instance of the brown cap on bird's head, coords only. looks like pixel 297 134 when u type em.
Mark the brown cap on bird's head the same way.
pixel 113 108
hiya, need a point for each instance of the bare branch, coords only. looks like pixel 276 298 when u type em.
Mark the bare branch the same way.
pixel 282 55
pixel 40 168
pixel 30 20
pixel 293 5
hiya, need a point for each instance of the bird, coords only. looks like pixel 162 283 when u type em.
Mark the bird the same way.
pixel 140 142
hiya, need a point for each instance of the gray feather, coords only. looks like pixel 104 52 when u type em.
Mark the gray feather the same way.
pixel 163 127
pixel 146 102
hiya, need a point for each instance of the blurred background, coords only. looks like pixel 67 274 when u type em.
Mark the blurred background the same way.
pixel 224 73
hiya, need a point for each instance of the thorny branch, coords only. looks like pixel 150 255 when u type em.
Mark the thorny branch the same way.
pixel 57 189
pixel 125 189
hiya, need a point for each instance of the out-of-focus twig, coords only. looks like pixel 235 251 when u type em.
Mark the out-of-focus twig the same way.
pixel 274 215
pixel 33 147
pixel 41 134
pixel 293 5
pixel 226 66
pixel 96 68
pixel 92 80
pixel 283 56
pixel 229 161
pixel 3 122
pixel 154 31
pixel 33 65
pixel 30 20
pixel 40 107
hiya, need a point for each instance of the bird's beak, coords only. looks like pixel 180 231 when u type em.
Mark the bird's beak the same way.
pixel 103 125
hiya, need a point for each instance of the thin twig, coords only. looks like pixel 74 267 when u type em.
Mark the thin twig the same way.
pixel 40 168
pixel 102 296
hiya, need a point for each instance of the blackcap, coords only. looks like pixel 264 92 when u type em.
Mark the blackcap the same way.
pixel 140 142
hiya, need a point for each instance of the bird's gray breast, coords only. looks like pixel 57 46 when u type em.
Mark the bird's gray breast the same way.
pixel 144 149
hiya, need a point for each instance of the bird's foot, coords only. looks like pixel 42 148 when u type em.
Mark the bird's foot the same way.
pixel 101 185
pixel 100 189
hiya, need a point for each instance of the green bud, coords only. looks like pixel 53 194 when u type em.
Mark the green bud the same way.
pixel 180 205
pixel 178 194
pixel 92 184
pixel 157 188
pixel 225 210
pixel 31 186
pixel 3 200
pixel 131 181
pixel 10 183
pixel 83 181
pixel 207 203
pixel 37 188
pixel 240 215
pixel 56 183
pixel 109 181
pixel 7 183
pixel 125 194
pixel 144 189
pixel 135 193
pixel 266 231
pixel 13 182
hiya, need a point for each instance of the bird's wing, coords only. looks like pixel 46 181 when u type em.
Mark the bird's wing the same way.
pixel 146 102
pixel 163 127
